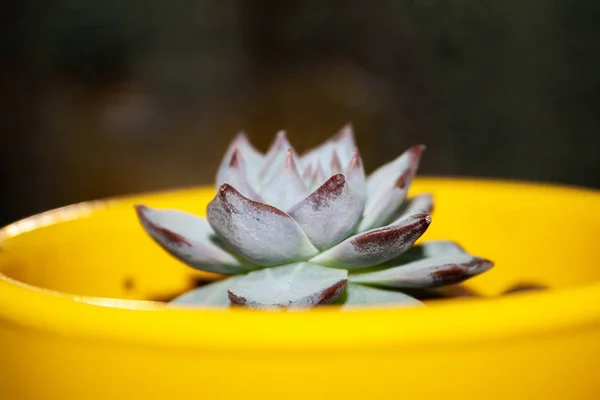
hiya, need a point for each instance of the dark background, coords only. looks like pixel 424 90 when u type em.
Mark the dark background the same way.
pixel 109 97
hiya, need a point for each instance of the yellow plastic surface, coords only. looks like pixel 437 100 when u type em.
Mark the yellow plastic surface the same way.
pixel 62 337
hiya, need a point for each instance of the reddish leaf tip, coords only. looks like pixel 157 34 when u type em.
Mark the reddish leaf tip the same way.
pixel 403 179
pixel 451 275
pixel 225 188
pixel 234 162
pixel 330 189
pixel 484 263
pixel 140 208
pixel 407 175
pixel 332 186
pixel 411 231
pixel 418 149
pixel 332 292
pixel 167 235
pixel 235 299
pixel 289 159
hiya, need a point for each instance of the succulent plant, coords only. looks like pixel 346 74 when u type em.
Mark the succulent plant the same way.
pixel 293 231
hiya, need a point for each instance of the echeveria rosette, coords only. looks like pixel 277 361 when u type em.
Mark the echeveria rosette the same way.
pixel 302 231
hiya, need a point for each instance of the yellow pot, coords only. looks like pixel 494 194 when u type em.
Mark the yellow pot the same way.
pixel 64 334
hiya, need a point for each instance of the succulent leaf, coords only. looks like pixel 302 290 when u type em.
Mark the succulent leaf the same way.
pixel 330 213
pixel 429 249
pixel 308 221
pixel 188 238
pixel 421 203
pixel 355 175
pixel 342 144
pixel 375 246
pixel 318 178
pixel 356 296
pixel 307 175
pixel 276 156
pixel 235 174
pixel 260 233
pixel 212 294
pixel 387 188
pixel 295 285
pixel 285 188
pixel 437 248
pixel 426 273
pixel 253 158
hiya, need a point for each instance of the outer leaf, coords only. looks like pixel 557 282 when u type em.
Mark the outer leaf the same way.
pixel 387 188
pixel 258 232
pixel 286 188
pixel 212 294
pixel 295 285
pixel 357 296
pixel 188 238
pixel 376 246
pixel 427 273
pixel 330 213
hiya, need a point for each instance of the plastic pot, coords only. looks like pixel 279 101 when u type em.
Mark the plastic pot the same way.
pixel 77 320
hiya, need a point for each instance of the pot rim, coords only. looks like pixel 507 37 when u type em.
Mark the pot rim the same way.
pixel 523 315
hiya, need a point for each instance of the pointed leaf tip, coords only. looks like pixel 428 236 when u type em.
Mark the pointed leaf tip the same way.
pixel 375 246
pixel 286 187
pixel 344 143
pixel 275 157
pixel 252 159
pixel 330 213
pixel 355 175
pixel 234 162
pixel 427 273
pixel 408 174
pixel 166 236
pixel 234 173
pixel 188 238
pixel 356 160
pixel 387 188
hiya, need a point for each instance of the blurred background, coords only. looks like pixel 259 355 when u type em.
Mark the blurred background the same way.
pixel 103 98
